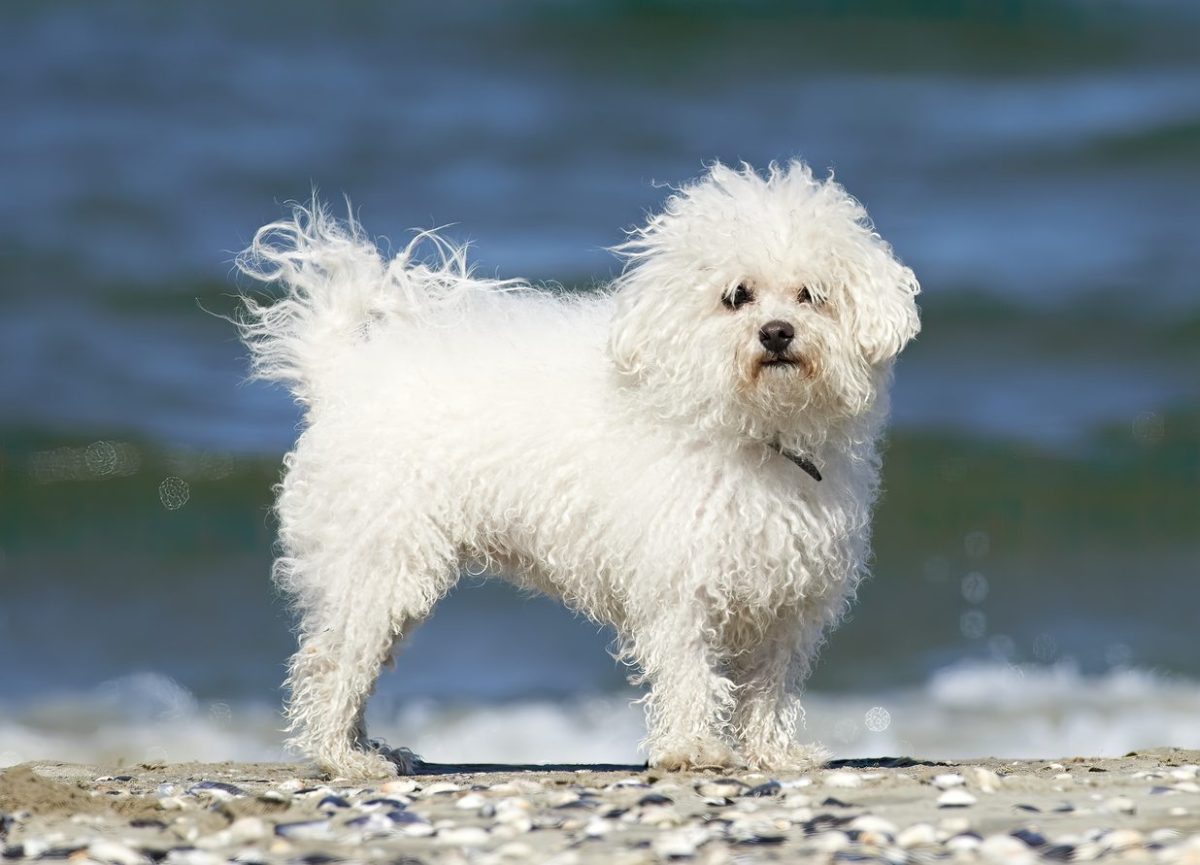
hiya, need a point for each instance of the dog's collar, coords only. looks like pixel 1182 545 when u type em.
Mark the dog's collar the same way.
pixel 798 460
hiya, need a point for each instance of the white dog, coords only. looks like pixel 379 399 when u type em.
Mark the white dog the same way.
pixel 690 456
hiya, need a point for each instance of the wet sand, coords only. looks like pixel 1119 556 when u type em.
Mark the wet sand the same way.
pixel 1144 807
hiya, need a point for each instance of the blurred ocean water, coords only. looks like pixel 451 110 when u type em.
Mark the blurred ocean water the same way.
pixel 1038 164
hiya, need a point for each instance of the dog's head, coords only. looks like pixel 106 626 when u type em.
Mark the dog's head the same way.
pixel 761 303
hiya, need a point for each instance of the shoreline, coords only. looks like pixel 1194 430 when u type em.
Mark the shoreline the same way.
pixel 1143 806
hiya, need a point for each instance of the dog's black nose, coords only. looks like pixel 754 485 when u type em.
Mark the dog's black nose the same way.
pixel 776 335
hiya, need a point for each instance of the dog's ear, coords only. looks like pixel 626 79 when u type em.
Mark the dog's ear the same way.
pixel 885 314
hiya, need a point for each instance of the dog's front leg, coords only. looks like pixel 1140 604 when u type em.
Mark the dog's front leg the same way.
pixel 689 700
pixel 769 679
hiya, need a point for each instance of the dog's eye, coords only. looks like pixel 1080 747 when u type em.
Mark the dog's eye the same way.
pixel 739 297
pixel 805 296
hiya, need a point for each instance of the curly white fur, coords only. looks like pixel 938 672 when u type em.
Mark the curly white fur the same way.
pixel 625 451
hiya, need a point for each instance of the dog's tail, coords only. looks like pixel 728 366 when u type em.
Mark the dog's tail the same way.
pixel 337 290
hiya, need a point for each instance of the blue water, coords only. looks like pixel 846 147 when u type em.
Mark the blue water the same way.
pixel 1037 164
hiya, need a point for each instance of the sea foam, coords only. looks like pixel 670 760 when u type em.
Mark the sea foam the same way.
pixel 968 710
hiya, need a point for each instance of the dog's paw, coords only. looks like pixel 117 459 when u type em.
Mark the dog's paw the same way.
pixel 797 758
pixel 697 757
pixel 363 765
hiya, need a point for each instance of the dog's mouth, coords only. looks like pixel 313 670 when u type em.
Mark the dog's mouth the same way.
pixel 780 361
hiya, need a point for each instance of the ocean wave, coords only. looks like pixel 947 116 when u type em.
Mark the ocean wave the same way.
pixel 968 710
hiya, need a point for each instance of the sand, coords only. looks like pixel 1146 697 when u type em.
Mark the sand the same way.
pixel 1143 807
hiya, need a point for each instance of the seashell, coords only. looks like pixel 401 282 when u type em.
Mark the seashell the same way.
pixel 305 830
pixel 400 786
pixel 681 843
pixel 102 850
pixel 1119 805
pixel 247 829
pixel 767 788
pixel 1058 852
pixel 720 788
pixel 215 788
pixel 1005 849
pixel 964 843
pixel 463 836
pixel 1123 839
pixel 655 799
pixel 956 798
pixel 843 779
pixel 917 835
pixel 386 804
pixel 945 782
pixel 470 802
pixel 985 779
pixel 372 824
pixel 626 783
pixel 1033 839
pixel 871 823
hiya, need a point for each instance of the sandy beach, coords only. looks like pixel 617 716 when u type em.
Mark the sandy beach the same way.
pixel 1141 807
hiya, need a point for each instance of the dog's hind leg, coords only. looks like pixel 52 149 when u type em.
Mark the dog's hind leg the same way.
pixel 360 600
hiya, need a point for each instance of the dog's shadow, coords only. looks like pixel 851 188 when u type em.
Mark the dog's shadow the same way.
pixel 424 768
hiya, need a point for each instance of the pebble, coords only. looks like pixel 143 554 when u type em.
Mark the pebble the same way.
pixel 441 787
pixel 956 798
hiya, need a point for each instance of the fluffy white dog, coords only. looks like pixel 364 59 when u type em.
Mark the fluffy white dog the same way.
pixel 689 456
